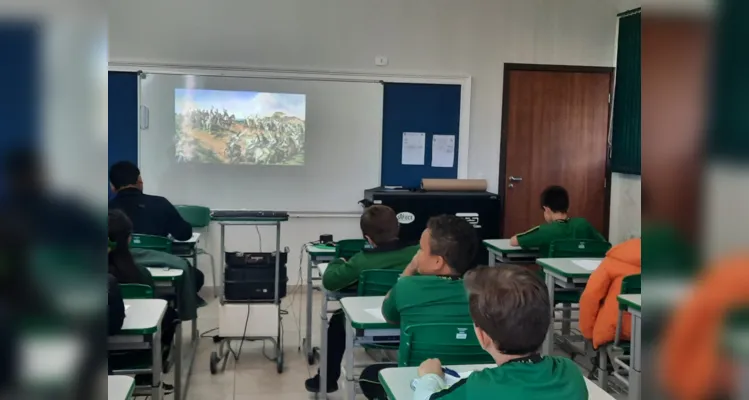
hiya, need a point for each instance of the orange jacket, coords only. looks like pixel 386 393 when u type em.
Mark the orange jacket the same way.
pixel 692 367
pixel 599 309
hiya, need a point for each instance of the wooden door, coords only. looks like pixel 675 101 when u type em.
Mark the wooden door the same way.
pixel 555 133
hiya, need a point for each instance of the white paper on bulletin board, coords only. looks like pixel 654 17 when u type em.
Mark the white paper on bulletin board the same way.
pixel 414 144
pixel 443 151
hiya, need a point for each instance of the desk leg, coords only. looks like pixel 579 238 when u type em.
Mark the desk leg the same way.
pixel 222 257
pixel 566 317
pixel 308 332
pixel 549 341
pixel 492 259
pixel 156 365
pixel 634 360
pixel 178 363
pixel 350 383
pixel 324 347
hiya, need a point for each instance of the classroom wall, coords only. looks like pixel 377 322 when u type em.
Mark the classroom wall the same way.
pixel 430 37
pixel 624 220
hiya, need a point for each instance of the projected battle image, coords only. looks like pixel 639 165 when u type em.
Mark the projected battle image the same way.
pixel 233 127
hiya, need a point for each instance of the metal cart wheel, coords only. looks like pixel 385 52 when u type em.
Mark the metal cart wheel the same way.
pixel 214 363
pixel 279 364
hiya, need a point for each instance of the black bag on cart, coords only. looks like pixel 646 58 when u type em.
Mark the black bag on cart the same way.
pixel 251 277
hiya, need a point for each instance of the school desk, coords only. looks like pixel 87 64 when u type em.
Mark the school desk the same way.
pixel 141 329
pixel 167 279
pixel 564 273
pixel 633 302
pixel 327 296
pixel 364 325
pixel 397 382
pixel 316 254
pixel 501 250
pixel 120 387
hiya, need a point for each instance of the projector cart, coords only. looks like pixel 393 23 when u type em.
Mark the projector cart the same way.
pixel 222 355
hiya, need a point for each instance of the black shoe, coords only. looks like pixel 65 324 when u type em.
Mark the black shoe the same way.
pixel 313 385
pixel 168 389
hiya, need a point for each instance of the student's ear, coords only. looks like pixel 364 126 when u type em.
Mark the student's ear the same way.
pixel 369 240
pixel 484 340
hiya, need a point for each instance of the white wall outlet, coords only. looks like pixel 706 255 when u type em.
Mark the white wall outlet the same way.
pixel 381 61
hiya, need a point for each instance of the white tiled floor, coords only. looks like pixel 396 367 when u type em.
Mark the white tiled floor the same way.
pixel 253 376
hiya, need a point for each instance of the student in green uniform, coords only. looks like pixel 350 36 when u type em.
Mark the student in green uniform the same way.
pixel 555 202
pixel 379 225
pixel 510 310
pixel 431 288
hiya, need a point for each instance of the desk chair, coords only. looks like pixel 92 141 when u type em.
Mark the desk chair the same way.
pixel 347 248
pixel 453 344
pixel 151 242
pixel 132 362
pixel 573 248
pixel 619 350
pixel 377 282
pixel 199 217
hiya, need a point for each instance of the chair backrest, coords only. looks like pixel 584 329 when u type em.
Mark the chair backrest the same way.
pixel 377 282
pixel 632 284
pixel 151 242
pixel 197 216
pixel 347 248
pixel 136 291
pixel 454 344
pixel 578 248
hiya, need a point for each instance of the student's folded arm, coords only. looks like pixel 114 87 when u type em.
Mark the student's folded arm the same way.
pixel 532 238
pixel 340 274
pixel 595 292
pixel 390 307
pixel 178 227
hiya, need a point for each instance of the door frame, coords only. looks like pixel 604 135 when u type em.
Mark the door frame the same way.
pixel 502 187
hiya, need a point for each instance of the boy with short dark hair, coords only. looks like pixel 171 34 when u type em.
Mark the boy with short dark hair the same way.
pixel 151 215
pixel 555 203
pixel 431 288
pixel 510 311
pixel 380 228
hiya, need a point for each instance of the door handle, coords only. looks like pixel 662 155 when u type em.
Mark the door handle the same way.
pixel 516 179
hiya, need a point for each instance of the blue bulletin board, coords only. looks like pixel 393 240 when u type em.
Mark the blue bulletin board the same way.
pixel 123 117
pixel 430 108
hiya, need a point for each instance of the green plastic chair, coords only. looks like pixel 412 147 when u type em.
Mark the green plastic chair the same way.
pixel 151 242
pixel 136 291
pixel 347 248
pixel 631 284
pixel 453 344
pixel 377 282
pixel 196 216
pixel 199 217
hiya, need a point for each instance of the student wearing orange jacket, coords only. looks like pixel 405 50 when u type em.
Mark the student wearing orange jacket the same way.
pixel 692 365
pixel 599 308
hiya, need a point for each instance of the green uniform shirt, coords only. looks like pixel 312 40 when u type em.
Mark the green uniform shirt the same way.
pixel 541 236
pixel 343 274
pixel 426 299
pixel 552 378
